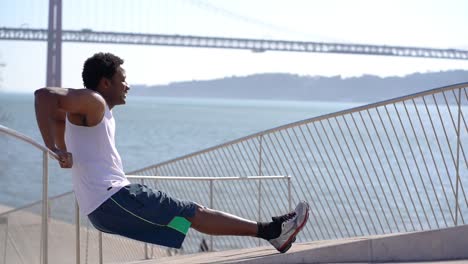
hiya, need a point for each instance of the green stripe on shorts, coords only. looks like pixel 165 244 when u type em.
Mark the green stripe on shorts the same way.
pixel 180 224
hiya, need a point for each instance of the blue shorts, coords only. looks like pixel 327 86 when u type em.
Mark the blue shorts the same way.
pixel 137 212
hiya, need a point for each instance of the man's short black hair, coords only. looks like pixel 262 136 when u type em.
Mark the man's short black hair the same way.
pixel 98 66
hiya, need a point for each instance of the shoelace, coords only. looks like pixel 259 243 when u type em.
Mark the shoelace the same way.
pixel 284 218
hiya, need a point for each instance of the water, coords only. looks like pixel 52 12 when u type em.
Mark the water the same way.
pixel 149 130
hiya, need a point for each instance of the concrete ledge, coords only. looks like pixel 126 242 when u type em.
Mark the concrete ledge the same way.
pixel 437 245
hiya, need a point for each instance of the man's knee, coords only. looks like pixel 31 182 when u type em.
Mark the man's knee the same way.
pixel 197 218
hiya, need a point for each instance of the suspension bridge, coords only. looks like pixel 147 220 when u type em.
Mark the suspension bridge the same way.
pixel 55 35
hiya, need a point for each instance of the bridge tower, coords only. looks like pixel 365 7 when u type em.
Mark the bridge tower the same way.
pixel 54 44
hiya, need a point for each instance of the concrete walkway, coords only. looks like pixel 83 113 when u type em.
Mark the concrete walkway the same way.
pixel 440 246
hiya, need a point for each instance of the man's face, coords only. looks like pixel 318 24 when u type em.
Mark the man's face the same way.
pixel 119 87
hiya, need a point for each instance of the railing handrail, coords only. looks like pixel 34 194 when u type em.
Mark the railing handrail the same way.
pixel 184 178
pixel 314 119
pixel 27 139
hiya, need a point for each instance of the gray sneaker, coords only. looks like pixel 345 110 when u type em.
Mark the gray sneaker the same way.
pixel 291 224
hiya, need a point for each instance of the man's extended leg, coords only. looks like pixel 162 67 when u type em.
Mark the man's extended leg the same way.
pixel 213 222
pixel 281 232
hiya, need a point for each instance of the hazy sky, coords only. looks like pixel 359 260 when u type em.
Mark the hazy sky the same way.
pixel 428 23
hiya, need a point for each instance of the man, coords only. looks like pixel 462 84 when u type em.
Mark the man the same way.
pixel 78 125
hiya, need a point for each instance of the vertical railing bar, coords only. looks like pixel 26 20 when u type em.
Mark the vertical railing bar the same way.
pixel 350 171
pixel 357 168
pixel 77 233
pixel 252 152
pixel 267 152
pixel 285 171
pixel 45 207
pixel 183 167
pixel 303 169
pixel 424 162
pixel 458 101
pixel 332 176
pixel 392 171
pixel 6 241
pixel 454 125
pixel 176 169
pixel 343 171
pixel 212 207
pixel 406 163
pixel 217 169
pixel 272 162
pixel 177 166
pixel 382 169
pixel 193 169
pixel 319 185
pixel 226 158
pixel 359 173
pixel 179 186
pixel 457 166
pixel 250 159
pixel 211 156
pixel 259 204
pixel 247 159
pixel 198 168
pixel 242 183
pixel 367 171
pixel 448 145
pixel 260 155
pixel 409 170
pixel 433 160
pixel 230 187
pixel 233 152
pixel 313 185
pixel 101 258
pixel 278 156
pixel 329 174
pixel 145 244
pixel 232 159
pixel 224 166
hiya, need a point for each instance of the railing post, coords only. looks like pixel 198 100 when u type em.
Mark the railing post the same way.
pixel 289 194
pixel 4 221
pixel 77 232
pixel 457 205
pixel 260 157
pixel 146 244
pixel 211 206
pixel 259 205
pixel 45 206
pixel 259 181
pixel 259 199
pixel 101 258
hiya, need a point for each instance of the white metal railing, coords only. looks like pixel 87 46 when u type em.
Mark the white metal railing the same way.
pixel 394 166
pixel 192 242
pixel 45 179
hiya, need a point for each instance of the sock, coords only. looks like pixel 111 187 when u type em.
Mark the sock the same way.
pixel 268 230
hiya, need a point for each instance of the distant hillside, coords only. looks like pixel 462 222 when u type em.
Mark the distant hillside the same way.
pixel 367 88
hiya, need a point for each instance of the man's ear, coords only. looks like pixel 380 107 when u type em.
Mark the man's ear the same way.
pixel 104 83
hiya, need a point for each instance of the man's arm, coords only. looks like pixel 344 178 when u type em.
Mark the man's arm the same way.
pixel 51 106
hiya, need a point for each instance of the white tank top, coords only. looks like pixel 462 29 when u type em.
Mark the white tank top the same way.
pixel 97 170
